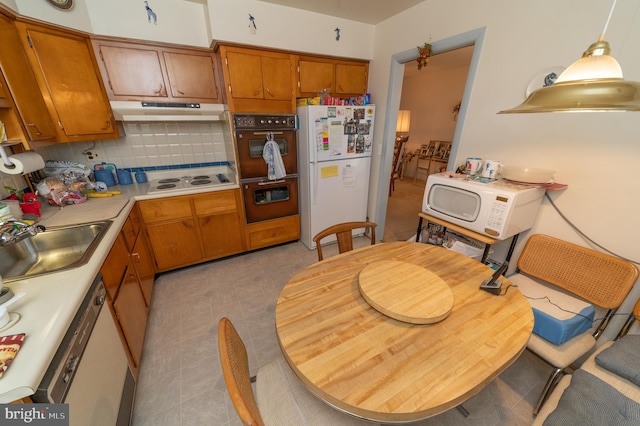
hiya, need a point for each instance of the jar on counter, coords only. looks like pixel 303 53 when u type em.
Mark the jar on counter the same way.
pixel 141 177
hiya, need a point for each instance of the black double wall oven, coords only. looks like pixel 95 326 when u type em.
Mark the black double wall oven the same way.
pixel 266 199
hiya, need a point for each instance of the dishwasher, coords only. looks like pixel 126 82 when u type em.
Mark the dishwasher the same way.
pixel 90 371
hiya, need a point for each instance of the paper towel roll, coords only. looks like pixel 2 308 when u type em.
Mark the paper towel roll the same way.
pixel 25 162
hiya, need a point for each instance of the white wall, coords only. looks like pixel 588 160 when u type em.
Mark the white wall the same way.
pixel 594 153
pixel 287 28
pixel 198 22
pixel 179 21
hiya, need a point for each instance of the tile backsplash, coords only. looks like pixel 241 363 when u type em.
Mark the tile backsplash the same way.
pixel 148 144
pixel 145 144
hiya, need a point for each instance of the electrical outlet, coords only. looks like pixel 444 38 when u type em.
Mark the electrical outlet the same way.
pixel 93 155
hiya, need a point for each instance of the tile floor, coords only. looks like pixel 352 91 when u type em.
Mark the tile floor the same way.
pixel 181 384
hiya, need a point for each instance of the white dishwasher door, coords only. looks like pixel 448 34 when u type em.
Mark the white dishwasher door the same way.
pixel 97 388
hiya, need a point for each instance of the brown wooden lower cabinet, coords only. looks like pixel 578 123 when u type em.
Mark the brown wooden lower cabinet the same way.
pixel 190 229
pixel 272 232
pixel 128 274
pixel 131 312
pixel 144 266
pixel 174 243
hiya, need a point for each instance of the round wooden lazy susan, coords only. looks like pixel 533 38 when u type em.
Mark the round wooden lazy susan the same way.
pixel 405 292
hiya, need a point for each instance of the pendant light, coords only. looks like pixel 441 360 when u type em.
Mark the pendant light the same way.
pixel 592 83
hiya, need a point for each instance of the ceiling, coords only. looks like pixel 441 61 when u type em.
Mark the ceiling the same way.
pixel 366 11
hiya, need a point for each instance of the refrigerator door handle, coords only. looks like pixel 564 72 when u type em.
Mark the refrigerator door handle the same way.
pixel 314 181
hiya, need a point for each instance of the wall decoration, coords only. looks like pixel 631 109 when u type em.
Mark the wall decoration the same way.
pixel 252 25
pixel 61 4
pixel 337 30
pixel 424 53
pixel 151 15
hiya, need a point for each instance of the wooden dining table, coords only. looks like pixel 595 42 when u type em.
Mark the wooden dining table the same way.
pixel 368 354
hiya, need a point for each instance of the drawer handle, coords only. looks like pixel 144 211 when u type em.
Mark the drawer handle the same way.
pixel 38 132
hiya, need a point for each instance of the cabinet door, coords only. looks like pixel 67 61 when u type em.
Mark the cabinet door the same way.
pixel 133 72
pixel 23 86
pixel 115 266
pixel 221 223
pixel 276 78
pixel 221 235
pixel 145 268
pixel 131 312
pixel 351 79
pixel 245 75
pixel 314 76
pixel 67 75
pixel 174 244
pixel 192 76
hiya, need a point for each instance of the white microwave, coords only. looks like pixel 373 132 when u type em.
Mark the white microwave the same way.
pixel 499 209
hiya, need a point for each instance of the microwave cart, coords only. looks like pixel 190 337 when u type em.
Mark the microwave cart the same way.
pixel 483 240
pixel 485 211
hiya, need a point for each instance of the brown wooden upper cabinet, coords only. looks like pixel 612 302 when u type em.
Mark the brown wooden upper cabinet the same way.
pixel 22 92
pixel 157 73
pixel 67 74
pixel 258 80
pixel 341 77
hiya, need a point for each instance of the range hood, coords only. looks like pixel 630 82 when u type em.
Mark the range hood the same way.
pixel 166 111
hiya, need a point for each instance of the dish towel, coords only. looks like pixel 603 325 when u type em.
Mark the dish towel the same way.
pixel 271 155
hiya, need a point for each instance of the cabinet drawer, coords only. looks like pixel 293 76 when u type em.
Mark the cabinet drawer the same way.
pixel 272 232
pixel 165 209
pixel 217 202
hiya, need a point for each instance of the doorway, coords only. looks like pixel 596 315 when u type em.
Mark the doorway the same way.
pixel 432 95
pixel 473 38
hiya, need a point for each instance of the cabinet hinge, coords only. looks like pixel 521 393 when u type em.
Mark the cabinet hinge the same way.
pixel 29 41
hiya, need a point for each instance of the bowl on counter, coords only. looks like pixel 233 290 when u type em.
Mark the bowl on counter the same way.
pixel 527 174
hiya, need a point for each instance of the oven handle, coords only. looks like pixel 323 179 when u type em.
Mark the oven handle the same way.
pixel 271 182
pixel 266 133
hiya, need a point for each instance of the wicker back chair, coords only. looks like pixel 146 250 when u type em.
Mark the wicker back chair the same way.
pixel 343 232
pixel 601 279
pixel 235 369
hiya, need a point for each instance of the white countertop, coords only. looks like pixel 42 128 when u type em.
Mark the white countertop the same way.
pixel 51 301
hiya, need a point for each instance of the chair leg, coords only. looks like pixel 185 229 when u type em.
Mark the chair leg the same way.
pixel 463 410
pixel 552 381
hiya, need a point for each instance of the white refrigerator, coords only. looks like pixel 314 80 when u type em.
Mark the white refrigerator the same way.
pixel 334 161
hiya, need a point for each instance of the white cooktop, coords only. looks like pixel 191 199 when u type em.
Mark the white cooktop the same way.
pixel 181 179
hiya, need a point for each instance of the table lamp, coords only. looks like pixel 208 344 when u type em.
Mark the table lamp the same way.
pixel 402 127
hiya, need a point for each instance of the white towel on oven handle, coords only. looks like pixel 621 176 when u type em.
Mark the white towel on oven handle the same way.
pixel 271 155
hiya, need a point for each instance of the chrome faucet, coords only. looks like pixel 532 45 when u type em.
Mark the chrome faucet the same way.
pixel 13 231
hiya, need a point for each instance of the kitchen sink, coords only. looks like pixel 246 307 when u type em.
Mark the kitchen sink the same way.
pixel 53 250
